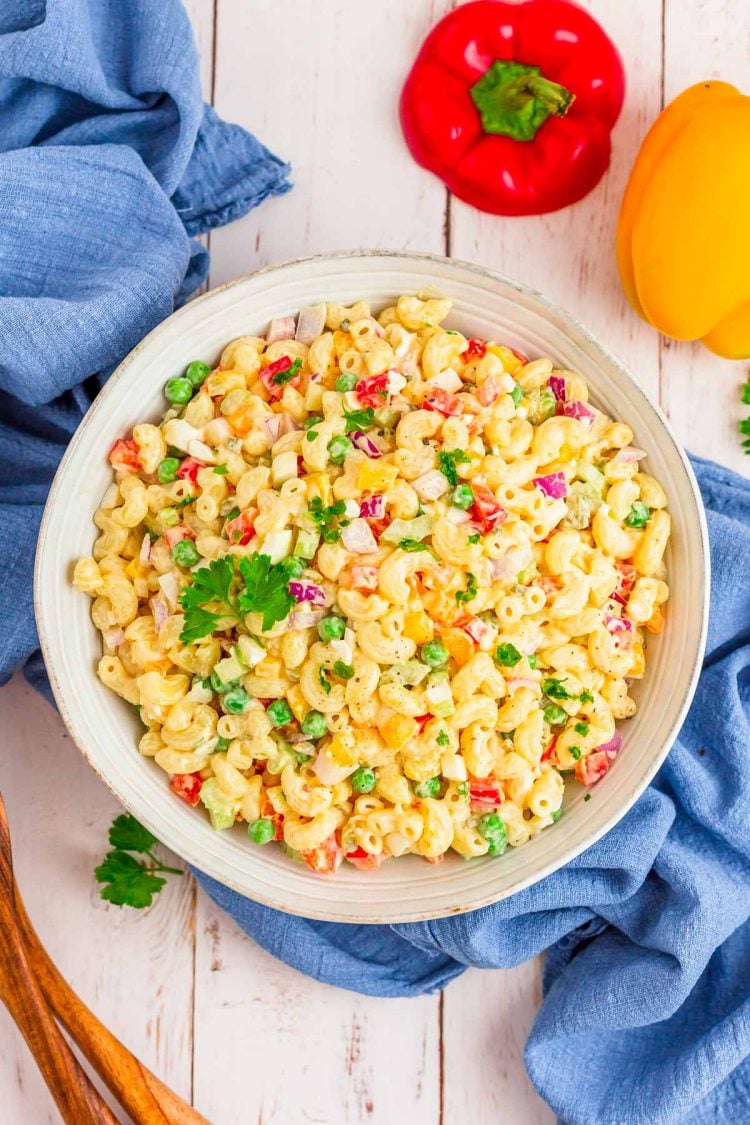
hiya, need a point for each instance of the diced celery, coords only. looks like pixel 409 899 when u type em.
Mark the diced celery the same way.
pixel 229 669
pixel 411 673
pixel 251 651
pixel 418 529
pixel 277 545
pixel 307 544
pixel 586 472
pixel 222 809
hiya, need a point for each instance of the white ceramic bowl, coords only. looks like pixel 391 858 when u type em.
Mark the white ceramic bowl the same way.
pixel 106 729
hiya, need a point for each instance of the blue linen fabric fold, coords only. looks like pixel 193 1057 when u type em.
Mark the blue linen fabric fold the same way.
pixel 646 1012
pixel 109 163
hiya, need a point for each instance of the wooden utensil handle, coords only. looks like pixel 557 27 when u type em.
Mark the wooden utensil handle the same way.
pixel 141 1093
pixel 77 1099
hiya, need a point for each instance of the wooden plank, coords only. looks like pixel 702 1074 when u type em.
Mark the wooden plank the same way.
pixel 295 1050
pixel 569 255
pixel 133 969
pixel 319 83
pixel 705 39
pixel 487 1016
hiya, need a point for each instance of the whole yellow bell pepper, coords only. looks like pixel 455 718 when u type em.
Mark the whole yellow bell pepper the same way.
pixel 683 235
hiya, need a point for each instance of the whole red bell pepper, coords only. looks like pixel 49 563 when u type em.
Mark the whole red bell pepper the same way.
pixel 512 104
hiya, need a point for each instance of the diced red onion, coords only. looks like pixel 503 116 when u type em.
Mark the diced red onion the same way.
pixel 307 592
pixel 160 610
pixel 580 410
pixel 430 485
pixel 169 588
pixel 358 538
pixel 365 577
pixel 618 598
pixel 373 508
pixel 271 426
pixel 288 425
pixel 112 638
pixel 310 324
pixel 365 444
pixel 630 453
pixel 519 682
pixel 145 552
pixel 305 618
pixel 553 485
pixel 280 328
pixel 618 624
pixel 557 386
pixel 297 738
pixel 479 631
pixel 613 747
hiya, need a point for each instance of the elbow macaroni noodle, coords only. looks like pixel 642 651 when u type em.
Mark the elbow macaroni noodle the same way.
pixel 471 557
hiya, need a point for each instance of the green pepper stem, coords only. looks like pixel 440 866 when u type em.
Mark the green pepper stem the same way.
pixel 515 99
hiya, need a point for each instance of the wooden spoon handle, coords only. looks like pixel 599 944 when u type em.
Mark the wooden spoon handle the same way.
pixel 77 1099
pixel 141 1093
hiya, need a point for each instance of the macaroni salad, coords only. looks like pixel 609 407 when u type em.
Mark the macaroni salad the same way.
pixel 377 588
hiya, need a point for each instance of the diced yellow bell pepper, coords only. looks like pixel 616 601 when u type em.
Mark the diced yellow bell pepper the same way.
pixel 319 484
pixel 297 702
pixel 376 474
pixel 397 730
pixel 342 749
pixel 510 361
pixel 418 627
pixel 683 235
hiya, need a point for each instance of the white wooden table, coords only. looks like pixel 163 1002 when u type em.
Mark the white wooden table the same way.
pixel 245 1038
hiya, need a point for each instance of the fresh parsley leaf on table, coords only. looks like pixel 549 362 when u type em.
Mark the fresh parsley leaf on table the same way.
pixel 128 880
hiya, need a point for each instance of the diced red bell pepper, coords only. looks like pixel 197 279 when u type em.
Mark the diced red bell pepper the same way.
pixel 373 391
pixel 423 720
pixel 188 786
pixel 189 469
pixel 241 529
pixel 443 402
pixel 549 750
pixel 486 510
pixel 625 582
pixel 485 792
pixel 475 350
pixel 325 859
pixel 591 769
pixel 177 534
pixel 268 812
pixel 123 456
pixel 524 359
pixel 378 525
pixel 363 860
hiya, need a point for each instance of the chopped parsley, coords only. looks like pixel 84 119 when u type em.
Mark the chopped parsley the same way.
pixel 639 515
pixel 185 500
pixel 586 697
pixel 343 670
pixel 328 520
pixel 221 470
pixel 359 419
pixel 128 881
pixel 447 461
pixel 581 728
pixel 517 394
pixel 286 376
pixel 471 590
pixel 575 752
pixel 413 545
pixel 508 655
pixel 313 420
pixel 555 689
pixel 556 814
pixel 442 738
pixel 323 680
pixel 475 537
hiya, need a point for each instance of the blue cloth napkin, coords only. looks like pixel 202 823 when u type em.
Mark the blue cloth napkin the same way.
pixel 646 1012
pixel 109 162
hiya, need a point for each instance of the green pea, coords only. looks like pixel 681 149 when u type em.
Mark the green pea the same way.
pixel 331 628
pixel 554 715
pixel 196 372
pixel 435 654
pixel 292 566
pixel 492 828
pixel 363 780
pixel 639 515
pixel 343 670
pixel 178 391
pixel 185 553
pixel 346 382
pixel 279 712
pixel 314 724
pixel 236 701
pixel 167 471
pixel 261 831
pixel 462 496
pixel 429 788
pixel 338 448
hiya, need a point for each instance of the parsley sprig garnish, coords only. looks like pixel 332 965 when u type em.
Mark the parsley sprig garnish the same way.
pixel 447 461
pixel 359 419
pixel 328 520
pixel 130 881
pixel 251 585
pixel 413 545
pixel 555 689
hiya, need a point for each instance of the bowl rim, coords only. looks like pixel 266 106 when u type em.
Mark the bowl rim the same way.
pixel 190 853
